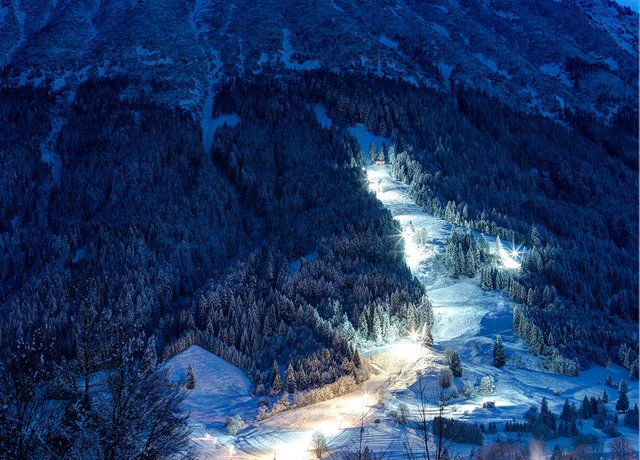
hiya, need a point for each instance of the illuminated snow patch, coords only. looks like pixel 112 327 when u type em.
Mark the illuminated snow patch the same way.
pixel 511 258
pixel 407 349
pixel 413 253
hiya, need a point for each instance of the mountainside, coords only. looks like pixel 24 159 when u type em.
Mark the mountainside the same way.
pixel 289 184
pixel 537 55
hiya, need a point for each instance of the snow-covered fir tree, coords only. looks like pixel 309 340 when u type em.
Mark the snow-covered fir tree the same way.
pixel 499 358
pixel 290 377
pixel 276 380
pixel 456 364
pixel 191 378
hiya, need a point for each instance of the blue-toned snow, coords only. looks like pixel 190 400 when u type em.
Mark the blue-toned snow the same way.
pixel 221 391
pixel 321 116
pixel 386 41
pixel 287 52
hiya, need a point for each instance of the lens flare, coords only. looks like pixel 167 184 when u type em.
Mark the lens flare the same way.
pixel 511 258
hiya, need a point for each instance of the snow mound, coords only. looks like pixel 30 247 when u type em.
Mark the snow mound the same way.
pixel 222 390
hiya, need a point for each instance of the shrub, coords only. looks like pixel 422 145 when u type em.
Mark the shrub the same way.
pixel 445 377
pixel 401 414
pixel 233 425
pixel 487 386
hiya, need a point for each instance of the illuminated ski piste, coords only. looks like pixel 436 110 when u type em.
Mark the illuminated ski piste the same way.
pixel 467 319
pixel 459 305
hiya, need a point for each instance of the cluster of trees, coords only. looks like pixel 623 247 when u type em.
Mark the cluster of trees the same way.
pixel 465 255
pixel 481 164
pixel 628 357
pixel 457 430
pixel 492 277
pixel 517 427
pixel 145 243
pixel 568 418
pixel 354 284
pixel 491 428
pixel 533 336
pixel 381 154
pixel 543 422
pixel 89 261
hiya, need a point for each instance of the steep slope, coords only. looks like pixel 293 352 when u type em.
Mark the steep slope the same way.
pixel 541 56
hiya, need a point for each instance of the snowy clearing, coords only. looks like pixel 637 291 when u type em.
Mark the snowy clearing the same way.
pixel 321 116
pixel 3 14
pixel 221 390
pixel 209 124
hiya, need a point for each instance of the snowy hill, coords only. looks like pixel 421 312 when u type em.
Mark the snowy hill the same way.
pixel 200 171
pixel 221 391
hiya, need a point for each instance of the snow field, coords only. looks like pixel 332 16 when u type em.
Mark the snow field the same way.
pixel 221 390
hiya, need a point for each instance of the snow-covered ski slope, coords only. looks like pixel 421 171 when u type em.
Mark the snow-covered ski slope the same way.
pixel 467 319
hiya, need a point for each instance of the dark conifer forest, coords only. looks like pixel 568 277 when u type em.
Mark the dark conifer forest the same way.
pixel 270 247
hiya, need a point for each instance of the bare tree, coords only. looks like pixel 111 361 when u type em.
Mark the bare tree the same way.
pixel 319 444
pixel 436 436
pixel 29 414
pixel 620 449
pixel 134 413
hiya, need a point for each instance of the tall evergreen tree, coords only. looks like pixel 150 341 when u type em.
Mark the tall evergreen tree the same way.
pixel 633 370
pixel 276 380
pixel 290 376
pixel 585 409
pixel 382 152
pixel 301 379
pixel 373 154
pixel 499 358
pixel 456 365
pixel 622 405
pixel 622 387
pixel 191 378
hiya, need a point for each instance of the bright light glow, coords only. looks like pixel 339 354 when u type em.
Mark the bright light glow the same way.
pixel 295 447
pixel 406 350
pixel 413 253
pixel 413 336
pixel 510 258
pixel 418 336
pixel 328 428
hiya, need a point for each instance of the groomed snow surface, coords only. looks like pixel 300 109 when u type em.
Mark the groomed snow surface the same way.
pixel 467 319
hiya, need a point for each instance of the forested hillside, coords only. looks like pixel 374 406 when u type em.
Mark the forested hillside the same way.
pixel 125 239
pixel 555 187
pixel 145 243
